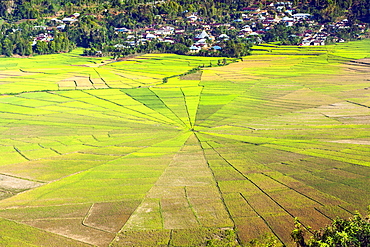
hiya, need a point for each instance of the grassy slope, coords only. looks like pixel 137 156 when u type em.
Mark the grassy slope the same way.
pixel 278 135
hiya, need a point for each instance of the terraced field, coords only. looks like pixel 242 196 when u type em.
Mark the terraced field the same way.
pixel 97 152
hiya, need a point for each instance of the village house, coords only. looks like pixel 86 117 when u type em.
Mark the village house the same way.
pixel 44 37
pixel 71 19
pixel 40 27
pixel 57 20
pixel 202 35
pixel 179 31
pixel 61 27
pixel 194 49
pixel 122 30
pixel 165 31
pixel 192 18
pixel 301 16
pixel 251 9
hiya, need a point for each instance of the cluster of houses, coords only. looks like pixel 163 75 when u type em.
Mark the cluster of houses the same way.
pixel 66 20
pixel 58 24
pixel 139 37
pixel 168 34
pixel 321 36
pixel 46 37
pixel 250 23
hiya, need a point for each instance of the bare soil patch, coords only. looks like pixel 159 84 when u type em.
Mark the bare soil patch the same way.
pixel 249 228
pixel 193 76
pixel 110 216
pixel 16 184
pixel 358 142
pixel 143 238
pixel 74 229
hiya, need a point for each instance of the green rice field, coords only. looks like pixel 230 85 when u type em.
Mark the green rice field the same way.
pixel 96 152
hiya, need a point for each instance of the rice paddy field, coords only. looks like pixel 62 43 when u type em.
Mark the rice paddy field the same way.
pixel 95 152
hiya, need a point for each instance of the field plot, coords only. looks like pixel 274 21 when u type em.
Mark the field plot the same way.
pixel 96 152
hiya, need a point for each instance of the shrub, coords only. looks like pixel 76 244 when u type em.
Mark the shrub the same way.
pixel 342 232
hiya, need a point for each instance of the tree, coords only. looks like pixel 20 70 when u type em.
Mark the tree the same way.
pixel 342 232
pixel 41 47
pixel 7 47
pixel 234 48
pixel 21 47
pixel 5 7
pixel 298 233
pixel 181 49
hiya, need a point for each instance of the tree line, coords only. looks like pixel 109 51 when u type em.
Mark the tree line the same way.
pixel 147 10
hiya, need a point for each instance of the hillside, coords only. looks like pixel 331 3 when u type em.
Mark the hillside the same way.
pixel 207 28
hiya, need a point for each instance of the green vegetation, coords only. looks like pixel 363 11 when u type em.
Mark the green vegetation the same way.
pixel 342 232
pixel 101 152
pixel 145 11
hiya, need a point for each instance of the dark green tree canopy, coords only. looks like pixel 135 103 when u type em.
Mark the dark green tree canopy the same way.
pixel 342 232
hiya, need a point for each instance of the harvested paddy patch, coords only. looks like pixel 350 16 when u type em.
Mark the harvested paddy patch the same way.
pixel 16 184
pixel 192 76
pixel 143 238
pixel 110 216
pixel 72 228
pixel 359 142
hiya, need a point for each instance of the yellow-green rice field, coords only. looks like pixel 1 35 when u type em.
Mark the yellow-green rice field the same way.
pixel 97 152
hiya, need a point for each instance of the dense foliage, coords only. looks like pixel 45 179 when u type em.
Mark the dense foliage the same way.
pixel 139 11
pixel 342 232
pixel 329 9
pixel 15 39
